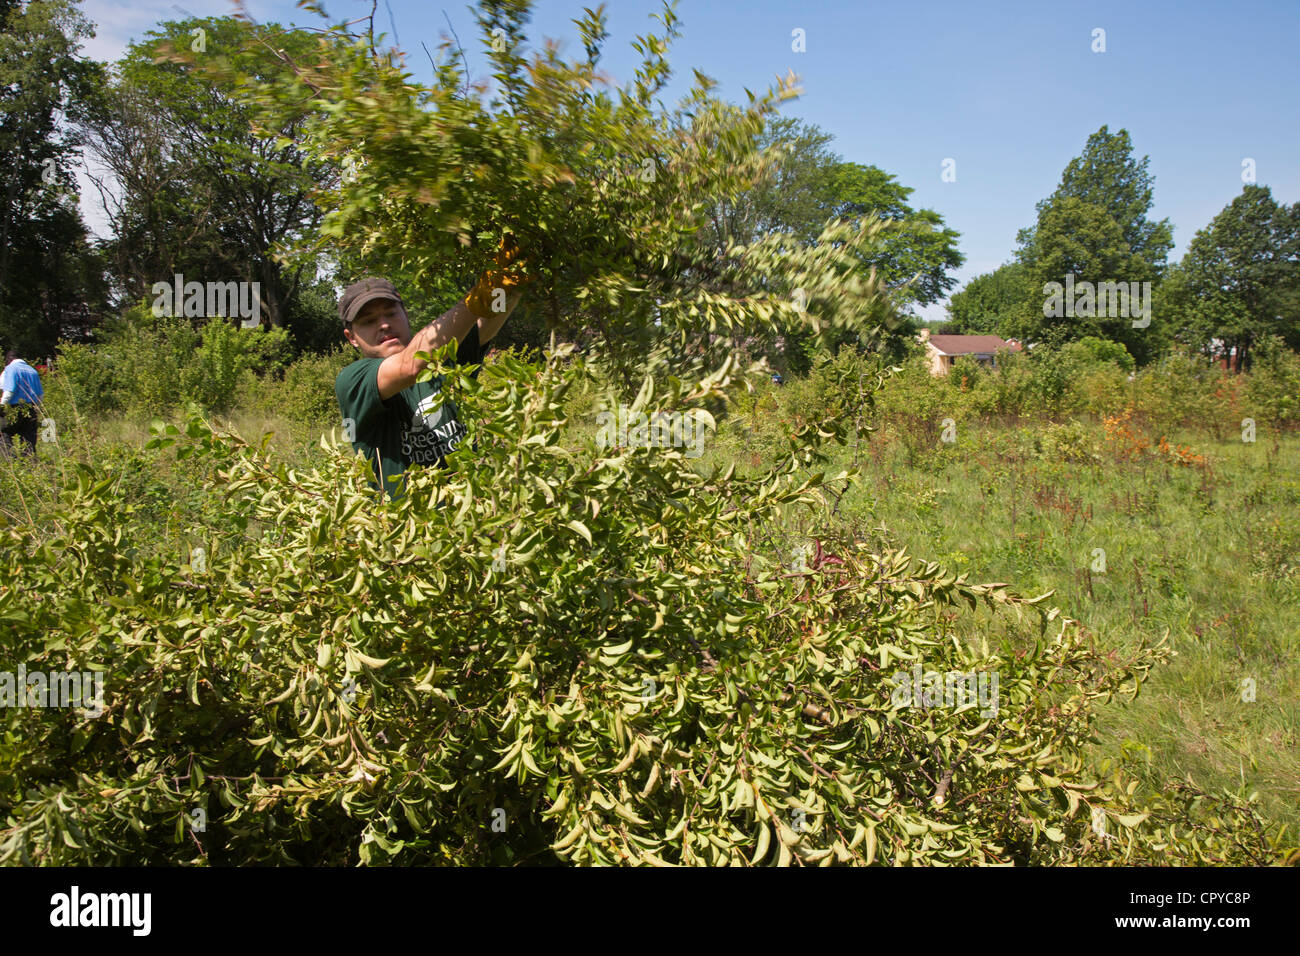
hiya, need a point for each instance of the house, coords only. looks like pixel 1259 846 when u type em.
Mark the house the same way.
pixel 943 350
pixel 1228 359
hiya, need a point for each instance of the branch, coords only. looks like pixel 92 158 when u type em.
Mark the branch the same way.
pixel 463 61
pixel 945 781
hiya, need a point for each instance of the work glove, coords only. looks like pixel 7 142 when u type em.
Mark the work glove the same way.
pixel 507 274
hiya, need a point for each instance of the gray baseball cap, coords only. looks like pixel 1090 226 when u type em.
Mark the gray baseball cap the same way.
pixel 358 294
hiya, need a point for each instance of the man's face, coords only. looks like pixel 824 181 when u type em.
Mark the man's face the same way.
pixel 381 329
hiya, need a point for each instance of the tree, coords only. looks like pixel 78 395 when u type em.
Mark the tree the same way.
pixel 791 196
pixel 805 186
pixel 1106 175
pixel 1240 278
pixel 808 184
pixel 1080 240
pixel 1093 229
pixel 916 252
pixel 991 303
pixel 201 191
pixel 50 277
pixel 607 194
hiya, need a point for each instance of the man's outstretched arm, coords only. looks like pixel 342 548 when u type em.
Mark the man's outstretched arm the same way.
pixel 399 372
pixel 489 326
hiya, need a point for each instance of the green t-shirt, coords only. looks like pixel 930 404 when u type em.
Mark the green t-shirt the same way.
pixel 404 429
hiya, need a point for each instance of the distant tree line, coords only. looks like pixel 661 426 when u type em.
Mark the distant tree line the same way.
pixel 1238 283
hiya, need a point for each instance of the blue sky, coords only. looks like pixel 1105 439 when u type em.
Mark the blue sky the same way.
pixel 1010 91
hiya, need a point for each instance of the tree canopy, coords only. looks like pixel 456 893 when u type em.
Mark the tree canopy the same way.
pixel 1108 176
pixel 51 282
pixel 990 304
pixel 1240 278
pixel 200 190
pixel 607 191
pixel 1094 228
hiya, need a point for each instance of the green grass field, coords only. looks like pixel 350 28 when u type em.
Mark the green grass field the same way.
pixel 1208 555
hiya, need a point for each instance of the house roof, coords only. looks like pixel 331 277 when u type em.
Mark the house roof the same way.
pixel 971 344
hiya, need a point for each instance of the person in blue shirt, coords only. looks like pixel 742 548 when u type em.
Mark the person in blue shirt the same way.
pixel 20 390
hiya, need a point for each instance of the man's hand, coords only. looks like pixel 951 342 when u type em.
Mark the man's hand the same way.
pixel 508 276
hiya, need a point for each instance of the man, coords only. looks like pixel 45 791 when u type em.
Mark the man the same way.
pixel 395 424
pixel 20 390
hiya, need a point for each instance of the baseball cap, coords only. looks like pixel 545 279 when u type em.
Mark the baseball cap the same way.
pixel 359 293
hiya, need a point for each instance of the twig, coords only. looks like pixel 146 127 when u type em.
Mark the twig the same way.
pixel 197 843
pixel 463 61
pixel 709 662
pixel 370 30
pixel 397 43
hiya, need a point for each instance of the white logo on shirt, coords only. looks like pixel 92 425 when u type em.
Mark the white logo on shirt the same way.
pixel 426 409
pixel 423 443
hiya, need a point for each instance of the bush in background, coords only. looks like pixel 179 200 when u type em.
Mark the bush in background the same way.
pixel 305 392
pixel 1271 393
pixel 151 366
pixel 1182 391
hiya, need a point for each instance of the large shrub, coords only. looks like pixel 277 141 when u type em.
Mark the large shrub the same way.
pixel 1091 350
pixel 305 393
pixel 839 387
pixel 1272 389
pixel 608 191
pixel 88 379
pixel 1181 391
pixel 151 356
pixel 225 362
pixel 915 405
pixel 1101 390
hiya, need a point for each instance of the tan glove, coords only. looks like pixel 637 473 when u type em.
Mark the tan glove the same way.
pixel 505 275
